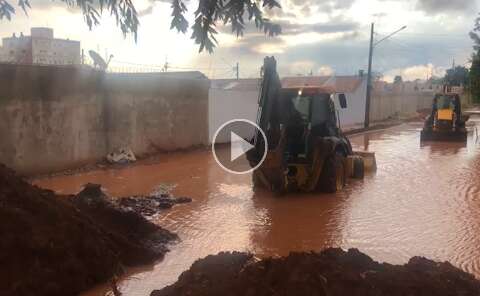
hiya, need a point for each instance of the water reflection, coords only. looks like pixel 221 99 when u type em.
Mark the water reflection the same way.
pixel 445 148
pixel 302 222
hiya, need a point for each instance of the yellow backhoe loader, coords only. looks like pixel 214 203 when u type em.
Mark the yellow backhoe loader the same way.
pixel 446 122
pixel 307 150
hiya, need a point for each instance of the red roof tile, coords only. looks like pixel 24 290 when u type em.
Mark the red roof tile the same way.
pixel 346 84
pixel 341 84
pixel 302 81
pixel 237 85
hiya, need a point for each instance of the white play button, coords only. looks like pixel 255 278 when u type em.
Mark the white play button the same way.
pixel 238 146
pixel 231 143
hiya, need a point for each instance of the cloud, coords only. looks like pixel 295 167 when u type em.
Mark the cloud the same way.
pixel 332 26
pixel 146 11
pixel 325 71
pixel 412 56
pixel 49 4
pixel 446 6
pixel 308 7
pixel 301 67
pixel 336 6
pixel 299 9
pixel 294 34
pixel 415 72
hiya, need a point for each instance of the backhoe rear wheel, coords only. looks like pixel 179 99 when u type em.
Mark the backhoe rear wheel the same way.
pixel 333 176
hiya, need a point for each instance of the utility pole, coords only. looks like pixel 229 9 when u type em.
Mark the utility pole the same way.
pixel 369 75
pixel 369 80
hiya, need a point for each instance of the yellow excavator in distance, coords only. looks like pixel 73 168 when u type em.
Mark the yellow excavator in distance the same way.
pixel 446 121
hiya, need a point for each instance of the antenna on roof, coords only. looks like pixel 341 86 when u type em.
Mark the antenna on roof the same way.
pixel 98 61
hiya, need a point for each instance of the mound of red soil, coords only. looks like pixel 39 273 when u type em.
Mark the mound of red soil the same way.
pixel 332 272
pixel 51 245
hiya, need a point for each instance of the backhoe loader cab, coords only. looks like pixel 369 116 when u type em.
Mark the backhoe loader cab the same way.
pixel 307 113
pixel 446 122
pixel 306 148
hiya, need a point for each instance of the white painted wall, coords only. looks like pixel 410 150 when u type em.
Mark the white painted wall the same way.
pixel 354 114
pixel 226 105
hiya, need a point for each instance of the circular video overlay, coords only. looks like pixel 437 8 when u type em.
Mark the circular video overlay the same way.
pixel 231 143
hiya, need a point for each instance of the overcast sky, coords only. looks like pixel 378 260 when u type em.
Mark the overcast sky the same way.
pixel 319 36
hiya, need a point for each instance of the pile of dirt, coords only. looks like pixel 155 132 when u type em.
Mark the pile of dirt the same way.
pixel 331 272
pixel 144 240
pixel 52 245
pixel 151 204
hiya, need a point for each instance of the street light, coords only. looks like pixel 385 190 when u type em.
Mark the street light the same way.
pixel 390 35
pixel 369 76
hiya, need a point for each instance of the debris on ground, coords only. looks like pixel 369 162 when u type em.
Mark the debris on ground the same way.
pixel 149 205
pixel 152 204
pixel 60 245
pixel 121 156
pixel 332 272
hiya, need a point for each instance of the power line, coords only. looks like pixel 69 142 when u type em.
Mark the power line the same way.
pixel 170 66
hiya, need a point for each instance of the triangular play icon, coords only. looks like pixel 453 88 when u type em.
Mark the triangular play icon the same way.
pixel 238 146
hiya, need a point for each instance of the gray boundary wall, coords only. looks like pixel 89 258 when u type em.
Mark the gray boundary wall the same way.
pixel 389 105
pixel 56 118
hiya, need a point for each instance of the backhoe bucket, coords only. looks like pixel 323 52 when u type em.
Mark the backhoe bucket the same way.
pixel 443 135
pixel 369 160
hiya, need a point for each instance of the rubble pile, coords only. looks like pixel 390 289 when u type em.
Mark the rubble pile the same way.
pixel 332 272
pixel 151 205
pixel 59 245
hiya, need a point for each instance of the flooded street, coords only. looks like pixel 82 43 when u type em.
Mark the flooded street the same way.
pixel 422 201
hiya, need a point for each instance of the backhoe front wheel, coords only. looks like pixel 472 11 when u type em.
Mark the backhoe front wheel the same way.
pixel 333 176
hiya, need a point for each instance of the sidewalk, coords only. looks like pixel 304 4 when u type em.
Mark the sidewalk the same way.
pixel 356 129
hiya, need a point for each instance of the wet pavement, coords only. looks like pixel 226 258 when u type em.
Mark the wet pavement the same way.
pixel 424 200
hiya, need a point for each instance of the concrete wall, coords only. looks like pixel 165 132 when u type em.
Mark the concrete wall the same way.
pixel 51 118
pixel 226 105
pixel 55 118
pixel 156 112
pixel 388 104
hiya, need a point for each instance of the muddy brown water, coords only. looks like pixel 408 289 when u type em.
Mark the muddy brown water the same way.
pixel 423 200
